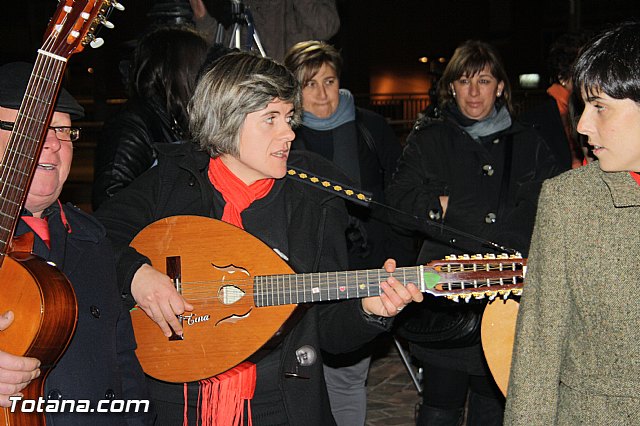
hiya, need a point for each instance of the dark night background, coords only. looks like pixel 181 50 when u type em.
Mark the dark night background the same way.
pixel 382 38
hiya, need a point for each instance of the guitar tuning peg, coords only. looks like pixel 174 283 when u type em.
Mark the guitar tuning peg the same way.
pixel 106 23
pixel 95 43
pixel 117 5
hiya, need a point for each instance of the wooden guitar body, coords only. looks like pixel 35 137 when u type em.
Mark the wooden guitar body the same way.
pixel 217 262
pixel 498 332
pixel 45 310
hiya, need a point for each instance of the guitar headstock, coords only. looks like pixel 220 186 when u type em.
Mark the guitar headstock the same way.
pixel 74 24
pixel 477 276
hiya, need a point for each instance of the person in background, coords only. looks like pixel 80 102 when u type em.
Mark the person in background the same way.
pixel 552 118
pixel 576 356
pixel 241 118
pixel 472 167
pixel 364 147
pixel 99 363
pixel 162 77
pixel 280 24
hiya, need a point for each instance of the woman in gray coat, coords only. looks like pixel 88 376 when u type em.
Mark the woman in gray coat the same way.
pixel 577 351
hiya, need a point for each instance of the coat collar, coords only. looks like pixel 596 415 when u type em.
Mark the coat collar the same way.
pixel 625 192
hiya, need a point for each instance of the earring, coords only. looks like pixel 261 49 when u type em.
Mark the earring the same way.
pixel 498 94
pixel 453 92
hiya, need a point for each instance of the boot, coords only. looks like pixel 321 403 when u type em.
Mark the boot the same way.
pixel 484 411
pixel 434 416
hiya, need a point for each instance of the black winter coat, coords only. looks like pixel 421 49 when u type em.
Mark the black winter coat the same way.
pixel 127 147
pixel 100 363
pixel 442 159
pixel 315 226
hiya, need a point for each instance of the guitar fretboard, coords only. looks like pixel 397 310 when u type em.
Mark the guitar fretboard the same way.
pixel 25 143
pixel 274 290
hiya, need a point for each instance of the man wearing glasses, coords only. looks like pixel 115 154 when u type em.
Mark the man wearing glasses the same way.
pixel 99 363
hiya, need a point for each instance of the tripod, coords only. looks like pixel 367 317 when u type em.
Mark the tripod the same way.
pixel 241 17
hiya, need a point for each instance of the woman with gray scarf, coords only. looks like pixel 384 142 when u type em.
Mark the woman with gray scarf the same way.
pixel 364 147
pixel 470 166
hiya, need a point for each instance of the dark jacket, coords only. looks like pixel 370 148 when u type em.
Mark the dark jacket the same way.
pixel 315 236
pixel 378 151
pixel 442 159
pixel 126 147
pixel 100 363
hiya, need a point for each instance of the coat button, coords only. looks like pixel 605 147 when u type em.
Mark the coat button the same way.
pixel 496 141
pixel 490 218
pixel 306 356
pixel 434 214
pixel 54 394
pixel 95 311
pixel 487 170
pixel 110 394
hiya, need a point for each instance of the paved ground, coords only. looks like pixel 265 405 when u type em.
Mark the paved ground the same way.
pixel 392 397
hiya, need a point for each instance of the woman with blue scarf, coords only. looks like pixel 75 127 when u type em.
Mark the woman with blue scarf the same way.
pixel 362 144
pixel 471 166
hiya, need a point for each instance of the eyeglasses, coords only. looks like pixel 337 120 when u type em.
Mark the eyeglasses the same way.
pixel 63 133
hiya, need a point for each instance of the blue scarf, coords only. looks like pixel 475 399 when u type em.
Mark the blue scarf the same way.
pixel 345 113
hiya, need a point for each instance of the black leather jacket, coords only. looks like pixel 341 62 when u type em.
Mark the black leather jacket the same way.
pixel 126 146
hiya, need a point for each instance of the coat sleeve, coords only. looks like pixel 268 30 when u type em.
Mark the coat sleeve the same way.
pixel 123 216
pixel 133 379
pixel 542 322
pixel 344 326
pixel 124 152
pixel 415 187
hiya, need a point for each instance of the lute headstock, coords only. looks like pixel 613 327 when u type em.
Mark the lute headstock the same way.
pixel 476 276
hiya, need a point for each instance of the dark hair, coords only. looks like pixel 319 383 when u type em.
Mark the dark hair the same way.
pixel 563 53
pixel 469 59
pixel 610 63
pixel 164 68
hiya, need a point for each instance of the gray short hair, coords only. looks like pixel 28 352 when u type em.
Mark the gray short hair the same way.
pixel 237 85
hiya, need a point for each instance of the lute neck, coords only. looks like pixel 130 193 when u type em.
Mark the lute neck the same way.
pixel 274 290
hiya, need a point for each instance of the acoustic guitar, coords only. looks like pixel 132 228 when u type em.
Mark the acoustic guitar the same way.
pixel 243 292
pixel 40 296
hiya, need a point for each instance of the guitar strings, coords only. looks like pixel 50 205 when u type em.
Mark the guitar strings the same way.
pixel 45 87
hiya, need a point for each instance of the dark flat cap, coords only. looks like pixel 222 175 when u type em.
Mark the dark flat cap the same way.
pixel 14 78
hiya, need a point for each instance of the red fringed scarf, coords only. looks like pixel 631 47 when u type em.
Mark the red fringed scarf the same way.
pixel 636 176
pixel 221 399
pixel 237 195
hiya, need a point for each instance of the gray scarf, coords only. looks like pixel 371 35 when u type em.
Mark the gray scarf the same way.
pixel 493 123
pixel 345 112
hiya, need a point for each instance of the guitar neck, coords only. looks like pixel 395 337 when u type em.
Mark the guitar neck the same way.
pixel 274 290
pixel 25 143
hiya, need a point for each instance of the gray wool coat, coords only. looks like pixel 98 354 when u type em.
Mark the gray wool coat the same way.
pixel 576 357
